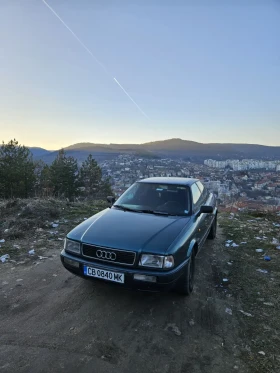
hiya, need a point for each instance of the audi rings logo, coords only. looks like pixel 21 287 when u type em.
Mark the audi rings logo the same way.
pixel 108 255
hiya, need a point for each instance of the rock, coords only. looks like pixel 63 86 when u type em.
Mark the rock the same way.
pixel 259 250
pixel 246 313
pixel 174 328
pixel 229 311
pixel 262 270
pixel 4 257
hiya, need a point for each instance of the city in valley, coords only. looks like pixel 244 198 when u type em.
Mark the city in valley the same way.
pixel 244 184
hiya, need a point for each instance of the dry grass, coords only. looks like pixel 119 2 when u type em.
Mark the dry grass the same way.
pixel 258 293
pixel 27 224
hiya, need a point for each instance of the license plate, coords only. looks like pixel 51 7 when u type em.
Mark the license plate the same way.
pixel 105 275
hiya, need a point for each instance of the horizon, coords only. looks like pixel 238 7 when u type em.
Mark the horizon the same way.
pixel 91 70
pixel 162 140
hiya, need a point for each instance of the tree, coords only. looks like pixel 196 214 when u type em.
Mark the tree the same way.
pixel 64 176
pixel 91 176
pixel 105 188
pixel 91 179
pixel 43 186
pixel 17 177
pixel 45 182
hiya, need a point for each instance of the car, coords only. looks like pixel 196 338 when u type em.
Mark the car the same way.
pixel 148 238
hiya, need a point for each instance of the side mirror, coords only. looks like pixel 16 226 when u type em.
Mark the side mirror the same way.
pixel 206 210
pixel 111 200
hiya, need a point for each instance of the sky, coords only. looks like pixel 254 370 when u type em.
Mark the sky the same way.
pixel 201 70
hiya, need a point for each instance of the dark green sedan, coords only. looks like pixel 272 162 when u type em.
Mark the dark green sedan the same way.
pixel 148 239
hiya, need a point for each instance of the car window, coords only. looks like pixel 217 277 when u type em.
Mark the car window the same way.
pixel 132 192
pixel 167 198
pixel 201 186
pixel 196 193
pixel 204 192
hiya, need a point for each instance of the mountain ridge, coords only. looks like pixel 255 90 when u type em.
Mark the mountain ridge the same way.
pixel 173 148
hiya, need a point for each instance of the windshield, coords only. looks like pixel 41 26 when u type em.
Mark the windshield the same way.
pixel 156 198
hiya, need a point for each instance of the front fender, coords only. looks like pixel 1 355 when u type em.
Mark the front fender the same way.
pixel 191 248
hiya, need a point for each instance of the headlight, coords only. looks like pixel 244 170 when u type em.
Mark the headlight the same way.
pixel 72 246
pixel 156 261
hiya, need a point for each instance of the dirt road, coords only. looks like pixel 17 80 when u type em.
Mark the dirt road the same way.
pixel 52 321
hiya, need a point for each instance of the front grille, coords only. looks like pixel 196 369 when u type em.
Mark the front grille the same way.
pixel 108 254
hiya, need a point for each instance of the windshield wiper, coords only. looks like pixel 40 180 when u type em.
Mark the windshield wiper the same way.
pixel 126 208
pixel 155 212
pixel 145 211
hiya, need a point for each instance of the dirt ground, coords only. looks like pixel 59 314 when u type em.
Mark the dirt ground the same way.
pixel 52 321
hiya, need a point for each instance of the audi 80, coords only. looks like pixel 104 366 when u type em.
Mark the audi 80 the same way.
pixel 148 239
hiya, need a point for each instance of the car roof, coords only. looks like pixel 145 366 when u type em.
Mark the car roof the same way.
pixel 169 180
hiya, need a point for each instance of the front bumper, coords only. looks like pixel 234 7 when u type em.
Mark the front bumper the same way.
pixel 166 280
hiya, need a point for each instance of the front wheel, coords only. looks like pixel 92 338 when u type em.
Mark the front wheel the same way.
pixel 213 231
pixel 185 283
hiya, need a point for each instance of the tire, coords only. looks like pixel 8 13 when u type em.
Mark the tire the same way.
pixel 185 283
pixel 213 231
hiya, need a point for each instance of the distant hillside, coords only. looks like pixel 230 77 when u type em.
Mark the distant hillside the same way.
pixel 173 145
pixel 173 148
pixel 38 152
pixel 80 155
pixel 193 149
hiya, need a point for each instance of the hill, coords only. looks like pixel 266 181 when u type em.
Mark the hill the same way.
pixel 173 148
pixel 38 152
pixel 187 148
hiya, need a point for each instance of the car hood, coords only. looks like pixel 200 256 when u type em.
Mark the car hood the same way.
pixel 130 230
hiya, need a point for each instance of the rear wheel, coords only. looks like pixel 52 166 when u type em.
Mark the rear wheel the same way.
pixel 185 283
pixel 213 231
